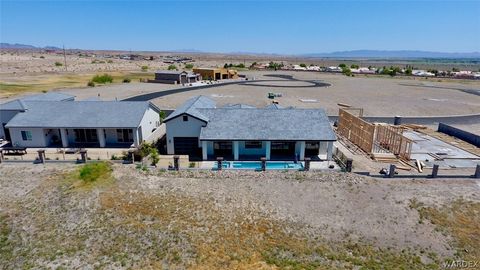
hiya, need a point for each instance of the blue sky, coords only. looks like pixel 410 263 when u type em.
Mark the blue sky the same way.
pixel 287 27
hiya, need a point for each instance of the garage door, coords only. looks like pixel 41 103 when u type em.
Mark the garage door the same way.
pixel 187 146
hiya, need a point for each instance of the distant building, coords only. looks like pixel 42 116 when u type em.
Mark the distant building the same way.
pixel 215 74
pixel 362 70
pixel 333 69
pixel 298 67
pixel 175 77
pixel 422 73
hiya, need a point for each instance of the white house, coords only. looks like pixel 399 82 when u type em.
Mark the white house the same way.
pixel 202 131
pixel 81 123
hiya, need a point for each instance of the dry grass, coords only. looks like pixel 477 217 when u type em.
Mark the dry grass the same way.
pixel 460 219
pixel 57 81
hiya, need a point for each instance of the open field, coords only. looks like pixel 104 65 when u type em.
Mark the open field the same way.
pixel 50 217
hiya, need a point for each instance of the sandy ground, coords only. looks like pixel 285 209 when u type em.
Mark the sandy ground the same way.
pixel 49 222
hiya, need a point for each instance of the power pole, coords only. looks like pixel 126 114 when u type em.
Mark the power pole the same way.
pixel 64 58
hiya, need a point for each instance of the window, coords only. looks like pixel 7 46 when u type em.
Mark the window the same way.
pixel 124 135
pixel 26 135
pixel 85 135
pixel 312 145
pixel 222 145
pixel 253 144
pixel 185 118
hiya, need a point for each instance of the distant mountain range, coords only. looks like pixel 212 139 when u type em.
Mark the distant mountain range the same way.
pixel 25 46
pixel 368 54
pixel 391 54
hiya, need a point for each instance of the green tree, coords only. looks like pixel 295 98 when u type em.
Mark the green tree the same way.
pixel 172 67
pixel 303 65
pixel 144 68
pixel 188 66
pixel 342 66
pixel 162 115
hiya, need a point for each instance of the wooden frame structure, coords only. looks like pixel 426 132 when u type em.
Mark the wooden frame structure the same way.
pixel 356 130
pixel 373 138
pixel 390 138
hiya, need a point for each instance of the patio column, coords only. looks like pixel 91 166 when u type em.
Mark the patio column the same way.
pixel 101 136
pixel 135 137
pixel 268 147
pixel 329 150
pixel 302 150
pixel 235 150
pixel 204 150
pixel 63 134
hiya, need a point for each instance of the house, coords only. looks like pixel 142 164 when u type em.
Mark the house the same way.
pixel 9 109
pixel 201 130
pixel 215 74
pixel 333 69
pixel 79 123
pixel 422 73
pixel 175 77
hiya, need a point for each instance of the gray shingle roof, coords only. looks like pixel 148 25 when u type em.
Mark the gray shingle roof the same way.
pixel 176 72
pixel 19 105
pixel 81 114
pixel 14 105
pixel 191 107
pixel 266 124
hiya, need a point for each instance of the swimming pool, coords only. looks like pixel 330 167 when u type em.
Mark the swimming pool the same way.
pixel 257 165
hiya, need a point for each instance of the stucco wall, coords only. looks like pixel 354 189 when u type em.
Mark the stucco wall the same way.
pixel 178 128
pixel 150 121
pixel 38 137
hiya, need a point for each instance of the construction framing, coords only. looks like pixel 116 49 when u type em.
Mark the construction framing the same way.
pixel 373 138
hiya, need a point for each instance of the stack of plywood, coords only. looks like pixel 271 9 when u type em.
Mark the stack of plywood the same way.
pixel 384 157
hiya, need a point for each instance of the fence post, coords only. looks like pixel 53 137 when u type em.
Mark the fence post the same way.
pixel 219 163
pixel 477 172
pixel 397 120
pixel 1 155
pixel 131 152
pixel 41 156
pixel 83 155
pixel 349 165
pixel 176 165
pixel 435 171
pixel 391 171
pixel 307 164
pixel 264 163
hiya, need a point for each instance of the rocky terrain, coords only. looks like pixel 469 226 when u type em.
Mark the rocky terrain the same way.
pixel 126 218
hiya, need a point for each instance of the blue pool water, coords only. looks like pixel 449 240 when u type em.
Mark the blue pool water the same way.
pixel 256 165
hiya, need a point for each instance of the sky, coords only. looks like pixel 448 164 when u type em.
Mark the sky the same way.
pixel 281 27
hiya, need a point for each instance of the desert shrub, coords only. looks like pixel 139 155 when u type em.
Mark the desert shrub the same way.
pixel 94 61
pixel 91 172
pixel 144 68
pixel 127 80
pixel 188 66
pixel 191 165
pixel 110 61
pixel 91 84
pixel 172 67
pixel 105 78
pixel 154 157
pixel 162 115
pixel 58 64
pixel 42 57
pixel 303 65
